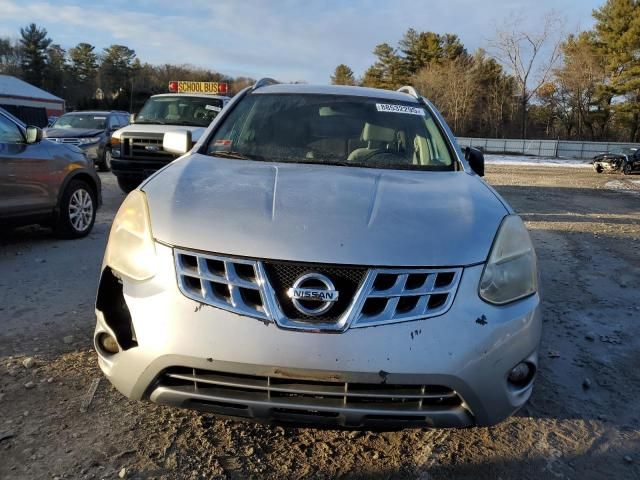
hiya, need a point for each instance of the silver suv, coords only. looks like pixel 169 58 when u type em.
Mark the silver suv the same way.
pixel 44 182
pixel 322 255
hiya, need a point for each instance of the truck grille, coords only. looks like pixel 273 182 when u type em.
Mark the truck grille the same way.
pixel 144 148
pixel 368 296
pixel 291 399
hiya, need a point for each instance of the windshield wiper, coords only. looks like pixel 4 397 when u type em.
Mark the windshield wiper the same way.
pixel 152 122
pixel 236 155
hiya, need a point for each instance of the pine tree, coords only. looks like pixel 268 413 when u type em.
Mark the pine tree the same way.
pixel 343 75
pixel 617 31
pixel 34 43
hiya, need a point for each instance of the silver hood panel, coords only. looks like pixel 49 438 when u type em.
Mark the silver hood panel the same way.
pixel 324 214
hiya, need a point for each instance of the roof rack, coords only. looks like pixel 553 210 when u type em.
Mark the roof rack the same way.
pixel 409 90
pixel 263 82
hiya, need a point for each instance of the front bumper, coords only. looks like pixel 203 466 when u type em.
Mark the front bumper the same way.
pixel 136 169
pixel 193 355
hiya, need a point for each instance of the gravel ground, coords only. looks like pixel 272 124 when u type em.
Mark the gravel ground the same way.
pixel 583 420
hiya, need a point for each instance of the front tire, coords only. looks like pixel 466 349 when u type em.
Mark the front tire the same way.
pixel 76 211
pixel 626 169
pixel 127 185
pixel 598 168
pixel 105 164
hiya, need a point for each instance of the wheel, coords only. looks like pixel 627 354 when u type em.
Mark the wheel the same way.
pixel 626 169
pixel 127 184
pixel 598 169
pixel 76 211
pixel 105 164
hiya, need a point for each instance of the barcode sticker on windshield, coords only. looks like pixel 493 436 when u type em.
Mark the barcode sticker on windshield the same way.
pixel 213 107
pixel 388 107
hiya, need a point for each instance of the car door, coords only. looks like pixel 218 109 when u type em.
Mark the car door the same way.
pixel 25 173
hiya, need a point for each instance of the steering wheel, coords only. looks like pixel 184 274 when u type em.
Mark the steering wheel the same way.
pixel 200 114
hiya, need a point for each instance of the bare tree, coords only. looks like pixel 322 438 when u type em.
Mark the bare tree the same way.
pixel 452 87
pixel 530 56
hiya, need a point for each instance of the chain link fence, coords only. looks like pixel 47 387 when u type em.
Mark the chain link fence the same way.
pixel 543 148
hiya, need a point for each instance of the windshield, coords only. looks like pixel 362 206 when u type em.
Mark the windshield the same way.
pixel 333 129
pixel 623 150
pixel 88 121
pixel 180 110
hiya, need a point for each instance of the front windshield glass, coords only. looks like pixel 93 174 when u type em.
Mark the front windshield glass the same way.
pixel 624 150
pixel 333 129
pixel 87 121
pixel 180 110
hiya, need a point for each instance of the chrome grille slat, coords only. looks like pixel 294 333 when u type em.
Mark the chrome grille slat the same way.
pixel 384 296
pixel 197 282
pixel 293 388
pixel 327 395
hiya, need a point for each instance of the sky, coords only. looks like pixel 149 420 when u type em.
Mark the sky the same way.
pixel 290 40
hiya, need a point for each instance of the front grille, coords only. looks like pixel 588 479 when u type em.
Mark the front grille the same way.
pixel 222 282
pixel 367 296
pixel 67 141
pixel 136 148
pixel 401 295
pixel 282 276
pixel 299 399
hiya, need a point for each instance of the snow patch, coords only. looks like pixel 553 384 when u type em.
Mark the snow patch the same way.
pixel 535 161
pixel 624 186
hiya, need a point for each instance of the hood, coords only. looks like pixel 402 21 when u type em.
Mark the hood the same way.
pixel 145 129
pixel 324 214
pixel 71 132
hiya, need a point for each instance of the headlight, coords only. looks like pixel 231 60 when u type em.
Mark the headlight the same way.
pixel 115 147
pixel 131 250
pixel 88 140
pixel 511 272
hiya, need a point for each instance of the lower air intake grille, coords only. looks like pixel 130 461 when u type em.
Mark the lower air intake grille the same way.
pixel 291 399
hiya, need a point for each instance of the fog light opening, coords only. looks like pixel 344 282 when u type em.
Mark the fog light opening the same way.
pixel 522 374
pixel 108 343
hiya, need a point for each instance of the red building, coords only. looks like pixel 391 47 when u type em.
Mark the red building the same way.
pixel 27 102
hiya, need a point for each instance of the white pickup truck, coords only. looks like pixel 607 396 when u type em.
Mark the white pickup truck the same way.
pixel 137 148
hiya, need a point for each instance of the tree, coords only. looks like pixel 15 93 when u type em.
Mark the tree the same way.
pixel 343 75
pixel 530 56
pixel 10 58
pixel 584 105
pixel 452 89
pixel 56 69
pixel 84 62
pixel 388 72
pixel 617 34
pixel 116 69
pixel 34 43
pixel 421 49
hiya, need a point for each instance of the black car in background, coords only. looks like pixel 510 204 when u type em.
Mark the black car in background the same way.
pixel 620 159
pixel 91 131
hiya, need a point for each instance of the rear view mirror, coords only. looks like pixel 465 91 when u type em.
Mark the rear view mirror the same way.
pixel 34 134
pixel 475 158
pixel 178 142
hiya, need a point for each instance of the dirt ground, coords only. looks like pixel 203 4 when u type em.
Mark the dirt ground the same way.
pixel 582 422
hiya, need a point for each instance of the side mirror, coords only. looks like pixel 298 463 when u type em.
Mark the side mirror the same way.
pixel 34 134
pixel 475 158
pixel 132 118
pixel 178 142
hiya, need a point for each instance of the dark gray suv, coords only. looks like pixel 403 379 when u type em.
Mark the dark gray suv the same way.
pixel 44 182
pixel 90 131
